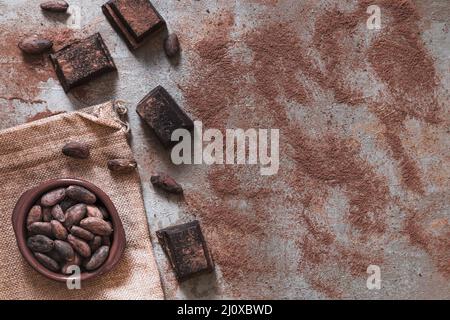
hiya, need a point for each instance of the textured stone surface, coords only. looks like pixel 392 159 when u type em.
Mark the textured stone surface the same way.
pixel 377 154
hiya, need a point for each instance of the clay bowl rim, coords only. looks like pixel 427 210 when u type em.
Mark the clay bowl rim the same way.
pixel 30 197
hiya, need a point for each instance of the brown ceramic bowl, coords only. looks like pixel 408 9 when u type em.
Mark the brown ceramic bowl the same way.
pixel 30 197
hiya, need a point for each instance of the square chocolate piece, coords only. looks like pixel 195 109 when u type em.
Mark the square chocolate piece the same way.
pixel 186 249
pixel 134 20
pixel 81 61
pixel 163 115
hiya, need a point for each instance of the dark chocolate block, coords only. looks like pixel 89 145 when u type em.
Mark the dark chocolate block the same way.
pixel 134 20
pixel 163 115
pixel 186 249
pixel 81 61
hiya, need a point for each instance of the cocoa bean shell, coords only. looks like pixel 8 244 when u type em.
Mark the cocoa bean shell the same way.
pixel 81 233
pixel 44 228
pixel 55 6
pixel 35 45
pixel 76 149
pixel 96 226
pixel 166 182
pixel 55 256
pixel 171 45
pixel 106 240
pixel 64 250
pixel 58 230
pixel 81 194
pixel 47 214
pixel 47 262
pixel 53 197
pixel 34 215
pixel 93 211
pixel 74 215
pixel 76 261
pixel 40 243
pixel 79 246
pixel 58 213
pixel 95 243
pixel 67 203
pixel 97 259
pixel 122 165
pixel 104 212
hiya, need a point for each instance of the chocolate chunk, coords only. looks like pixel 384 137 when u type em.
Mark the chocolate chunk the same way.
pixel 81 61
pixel 134 20
pixel 186 249
pixel 163 115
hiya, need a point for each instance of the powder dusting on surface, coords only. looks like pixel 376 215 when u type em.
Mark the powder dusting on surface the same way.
pixel 285 70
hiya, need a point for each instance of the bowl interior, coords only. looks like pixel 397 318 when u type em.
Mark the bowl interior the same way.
pixel 30 197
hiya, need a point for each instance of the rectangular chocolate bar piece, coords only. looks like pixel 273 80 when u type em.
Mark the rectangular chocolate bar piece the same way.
pixel 186 249
pixel 134 20
pixel 163 115
pixel 81 61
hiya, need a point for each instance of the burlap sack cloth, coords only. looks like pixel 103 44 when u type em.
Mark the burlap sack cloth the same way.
pixel 31 154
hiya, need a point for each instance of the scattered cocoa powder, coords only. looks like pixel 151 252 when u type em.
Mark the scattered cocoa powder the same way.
pixel 213 87
pixel 400 60
pixel 210 95
pixel 22 73
pixel 42 115
pixel 428 227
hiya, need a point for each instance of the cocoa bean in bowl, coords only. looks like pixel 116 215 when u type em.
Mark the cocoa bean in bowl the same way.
pixel 66 222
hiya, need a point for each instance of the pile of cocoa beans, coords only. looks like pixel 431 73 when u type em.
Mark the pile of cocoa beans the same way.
pixel 69 226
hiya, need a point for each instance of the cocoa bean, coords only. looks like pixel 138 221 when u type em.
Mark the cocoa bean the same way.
pixel 74 215
pixel 122 165
pixel 47 262
pixel 165 182
pixel 35 215
pixel 76 261
pixel 67 203
pixel 35 45
pixel 47 214
pixel 79 246
pixel 53 197
pixel 40 243
pixel 58 230
pixel 106 240
pixel 97 258
pixel 171 45
pixel 55 256
pixel 64 250
pixel 95 243
pixel 104 212
pixel 44 228
pixel 81 233
pixel 58 213
pixel 55 6
pixel 94 212
pixel 81 194
pixel 96 226
pixel 76 149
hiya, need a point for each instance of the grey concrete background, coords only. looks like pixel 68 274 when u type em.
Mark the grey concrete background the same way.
pixel 410 272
